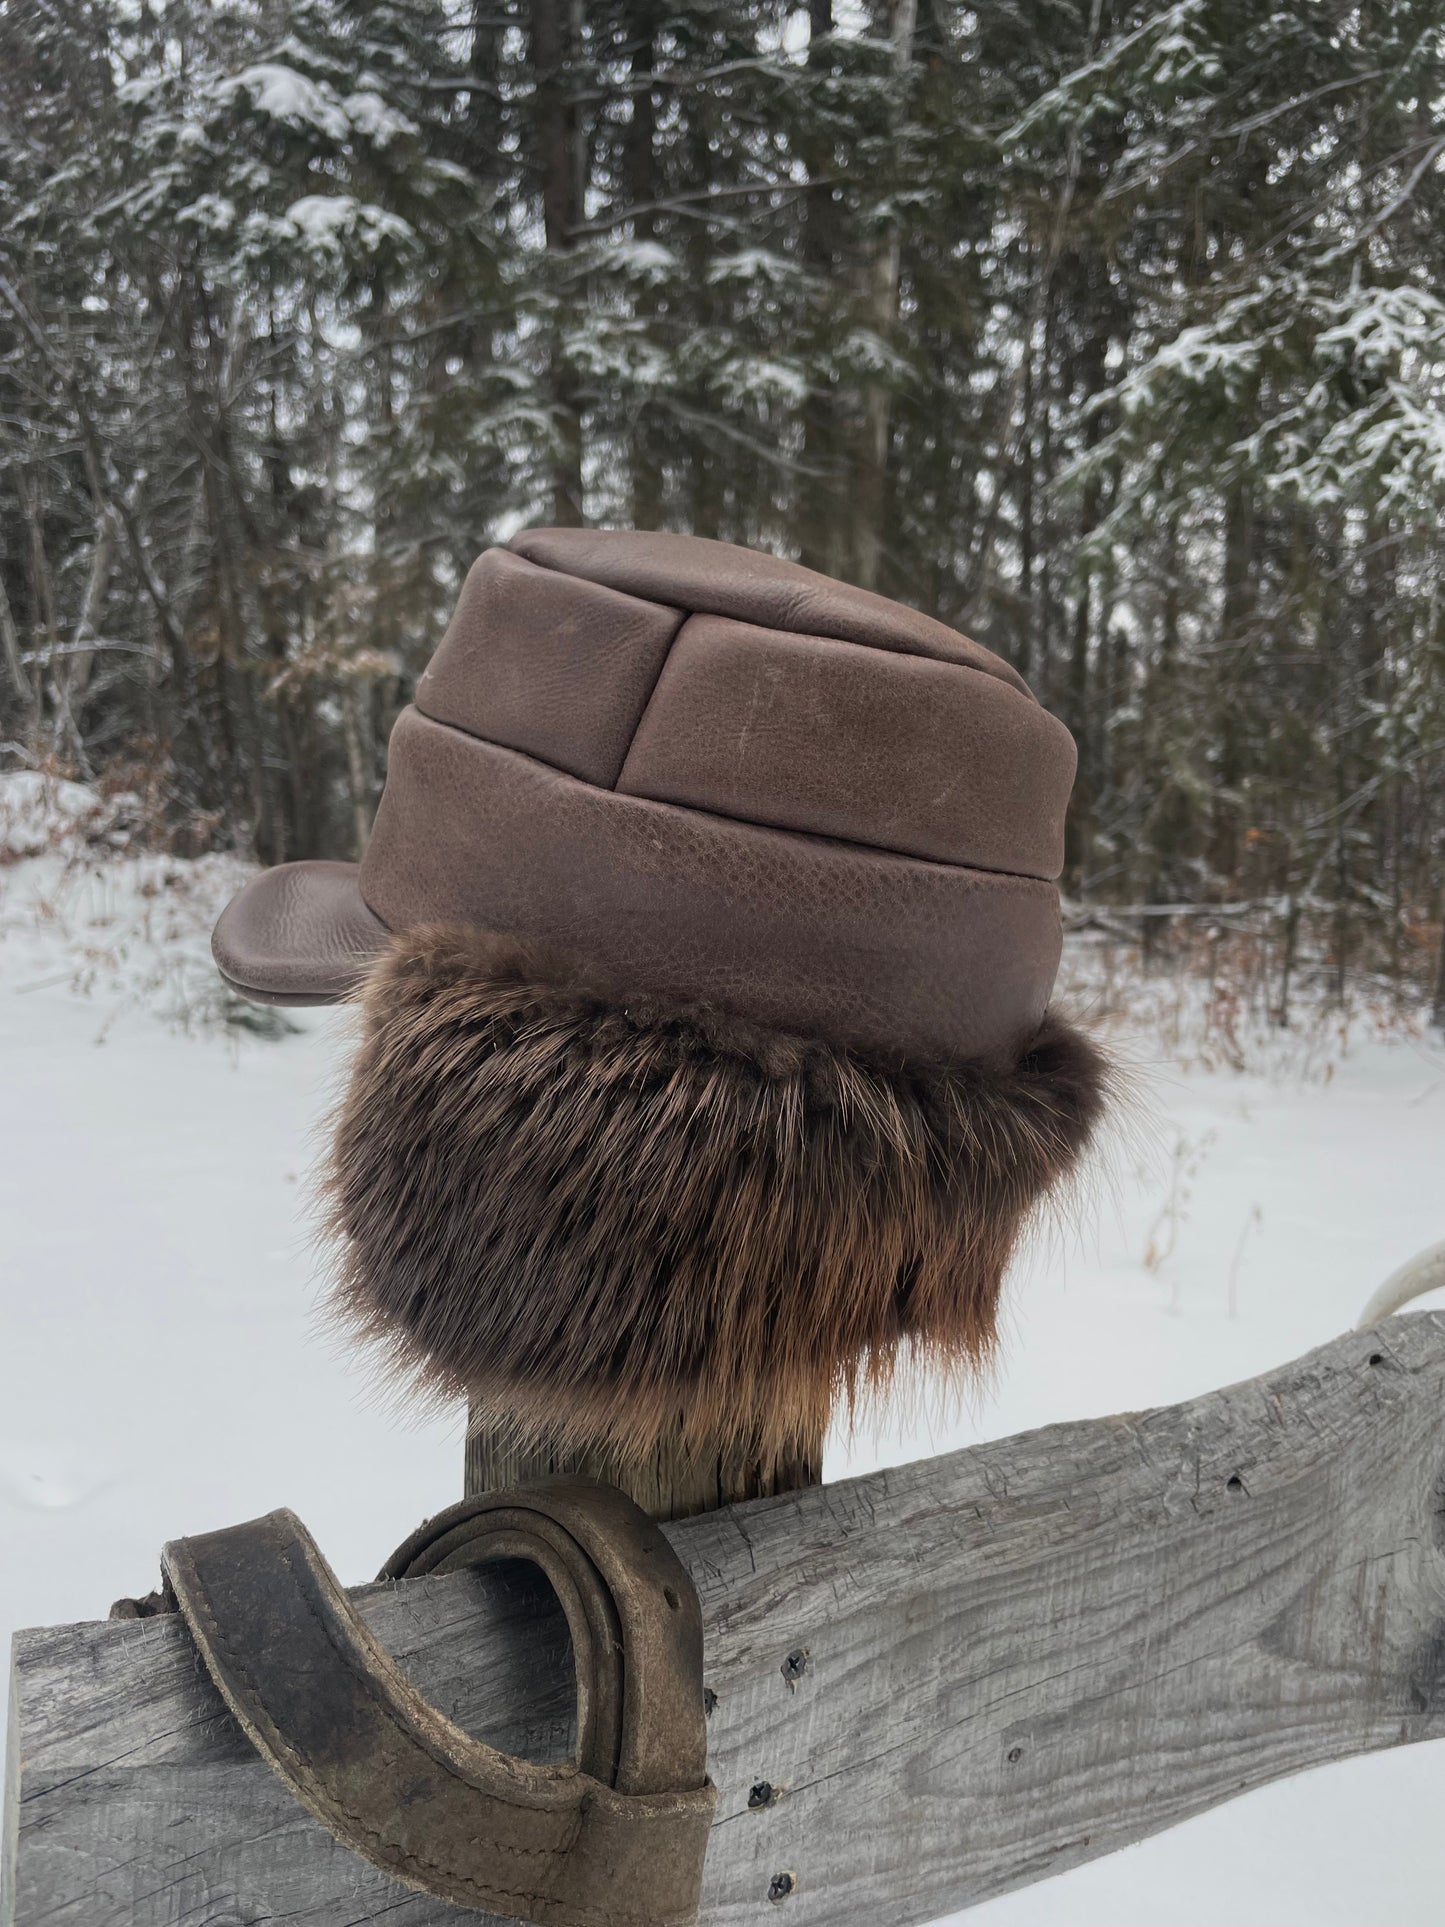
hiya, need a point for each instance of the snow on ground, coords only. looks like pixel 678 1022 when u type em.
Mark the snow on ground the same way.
pixel 161 1371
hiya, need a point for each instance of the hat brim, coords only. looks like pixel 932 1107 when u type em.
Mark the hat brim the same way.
pixel 298 934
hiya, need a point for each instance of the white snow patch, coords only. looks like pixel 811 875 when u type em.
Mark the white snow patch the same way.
pixel 213 212
pixel 290 97
pixel 327 222
pixel 127 930
pixel 753 264
pixel 646 262
pixel 1382 325
pixel 760 378
pixel 371 116
pixel 1196 355
pixel 36 809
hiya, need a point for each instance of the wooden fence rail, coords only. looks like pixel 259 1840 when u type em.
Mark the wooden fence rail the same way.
pixel 931 1685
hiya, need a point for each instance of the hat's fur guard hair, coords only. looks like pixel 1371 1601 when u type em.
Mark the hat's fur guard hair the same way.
pixel 611 1224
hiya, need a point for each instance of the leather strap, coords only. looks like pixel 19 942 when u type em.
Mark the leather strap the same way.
pixel 615 1840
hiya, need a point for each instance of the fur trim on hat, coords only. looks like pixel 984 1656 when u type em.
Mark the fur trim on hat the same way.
pixel 615 1224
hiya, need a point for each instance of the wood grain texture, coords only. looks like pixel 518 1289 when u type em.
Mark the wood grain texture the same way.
pixel 668 1483
pixel 1003 1662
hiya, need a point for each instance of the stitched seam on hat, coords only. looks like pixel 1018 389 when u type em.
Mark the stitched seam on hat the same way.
pixel 851 843
pixel 684 616
pixel 1002 674
pixel 744 822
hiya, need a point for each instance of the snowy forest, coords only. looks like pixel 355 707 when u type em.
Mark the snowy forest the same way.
pixel 1111 333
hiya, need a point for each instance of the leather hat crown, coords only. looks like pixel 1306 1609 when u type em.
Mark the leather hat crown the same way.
pixel 715 776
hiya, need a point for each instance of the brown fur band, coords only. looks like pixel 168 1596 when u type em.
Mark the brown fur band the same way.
pixel 612 1224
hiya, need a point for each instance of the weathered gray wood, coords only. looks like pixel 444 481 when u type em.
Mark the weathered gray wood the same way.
pixel 1017 1658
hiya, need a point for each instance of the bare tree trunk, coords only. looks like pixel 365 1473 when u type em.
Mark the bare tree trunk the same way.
pixel 1026 646
pixel 359 782
pixel 74 675
pixel 819 520
pixel 881 308
pixel 1083 696
pixel 640 170
pixel 1084 670
pixel 1236 614
pixel 42 600
pixel 10 641
pixel 555 125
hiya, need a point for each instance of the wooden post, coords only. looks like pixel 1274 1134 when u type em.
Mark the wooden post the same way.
pixel 927 1686
pixel 669 1483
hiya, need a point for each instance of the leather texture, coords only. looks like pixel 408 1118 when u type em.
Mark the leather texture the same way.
pixel 825 938
pixel 632 1613
pixel 615 1840
pixel 721 579
pixel 900 752
pixel 548 664
pixel 298 934
pixel 715 776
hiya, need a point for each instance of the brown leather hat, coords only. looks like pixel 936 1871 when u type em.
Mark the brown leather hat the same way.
pixel 714 776
pixel 707 930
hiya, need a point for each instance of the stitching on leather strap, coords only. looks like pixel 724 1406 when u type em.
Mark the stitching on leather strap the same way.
pixel 196 1605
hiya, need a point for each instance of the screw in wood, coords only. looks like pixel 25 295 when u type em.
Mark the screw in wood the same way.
pixel 781 1885
pixel 795 1665
pixel 762 1794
